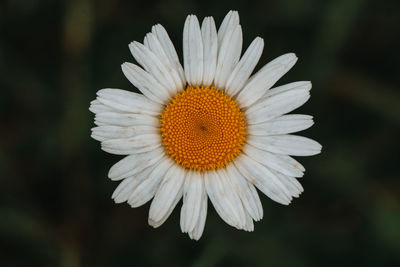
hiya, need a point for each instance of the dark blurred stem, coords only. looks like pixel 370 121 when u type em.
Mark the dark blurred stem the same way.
pixel 78 21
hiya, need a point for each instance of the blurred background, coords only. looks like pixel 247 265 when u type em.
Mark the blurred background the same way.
pixel 56 207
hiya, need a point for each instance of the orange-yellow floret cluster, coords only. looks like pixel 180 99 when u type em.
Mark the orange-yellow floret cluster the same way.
pixel 203 128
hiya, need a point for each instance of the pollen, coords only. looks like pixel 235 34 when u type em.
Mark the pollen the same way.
pixel 202 128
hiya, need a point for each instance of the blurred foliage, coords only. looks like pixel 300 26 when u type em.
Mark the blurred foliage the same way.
pixel 55 198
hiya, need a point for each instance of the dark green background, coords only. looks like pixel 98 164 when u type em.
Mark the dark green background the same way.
pixel 55 207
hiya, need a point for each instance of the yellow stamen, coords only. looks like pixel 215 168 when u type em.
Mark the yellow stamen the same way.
pixel 203 128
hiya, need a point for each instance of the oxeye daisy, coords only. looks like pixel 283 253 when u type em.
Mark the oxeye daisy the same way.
pixel 207 130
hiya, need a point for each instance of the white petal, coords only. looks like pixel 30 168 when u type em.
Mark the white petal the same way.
pixel 247 193
pixel 119 151
pixel 146 189
pixel 125 119
pixel 193 195
pixel 107 132
pixel 126 101
pixel 245 67
pixel 125 186
pixel 263 179
pixel 272 161
pixel 156 224
pixel 153 65
pixel 146 83
pixel 230 21
pixel 199 228
pixel 225 201
pixel 228 56
pixel 128 185
pixel 97 107
pixel 276 105
pixel 213 192
pixel 132 164
pixel 281 125
pixel 292 161
pixel 193 51
pixel 265 78
pixel 286 144
pixel 169 48
pixel 155 46
pixel 133 145
pixel 233 197
pixel 291 184
pixel 249 225
pixel 167 196
pixel 286 87
pixel 210 49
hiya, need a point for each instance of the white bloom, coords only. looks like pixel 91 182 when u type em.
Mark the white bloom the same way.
pixel 207 130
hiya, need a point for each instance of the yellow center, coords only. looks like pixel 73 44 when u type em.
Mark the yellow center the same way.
pixel 203 128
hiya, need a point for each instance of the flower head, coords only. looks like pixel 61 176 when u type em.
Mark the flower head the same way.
pixel 207 130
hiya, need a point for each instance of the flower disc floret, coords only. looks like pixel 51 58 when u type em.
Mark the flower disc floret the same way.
pixel 203 128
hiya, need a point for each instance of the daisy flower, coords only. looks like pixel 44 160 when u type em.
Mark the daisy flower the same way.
pixel 207 130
